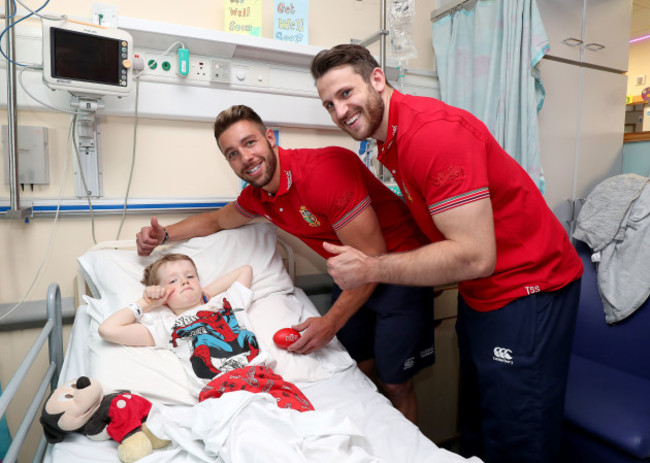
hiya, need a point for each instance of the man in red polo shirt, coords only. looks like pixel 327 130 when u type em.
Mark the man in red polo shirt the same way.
pixel 327 195
pixel 490 230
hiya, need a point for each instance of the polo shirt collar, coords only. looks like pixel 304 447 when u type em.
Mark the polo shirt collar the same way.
pixel 391 132
pixel 286 177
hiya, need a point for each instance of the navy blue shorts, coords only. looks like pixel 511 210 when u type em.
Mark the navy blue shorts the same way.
pixel 514 364
pixel 394 327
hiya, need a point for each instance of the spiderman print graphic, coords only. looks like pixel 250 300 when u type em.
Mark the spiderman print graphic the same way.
pixel 218 343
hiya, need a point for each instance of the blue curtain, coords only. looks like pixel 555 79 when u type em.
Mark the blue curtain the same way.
pixel 487 57
pixel 5 437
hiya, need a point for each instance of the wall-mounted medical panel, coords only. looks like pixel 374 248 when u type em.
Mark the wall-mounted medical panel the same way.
pixel 33 155
pixel 224 69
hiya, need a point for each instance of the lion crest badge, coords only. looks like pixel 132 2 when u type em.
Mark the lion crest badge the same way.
pixel 309 217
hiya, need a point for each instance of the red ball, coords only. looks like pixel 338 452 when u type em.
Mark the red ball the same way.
pixel 285 337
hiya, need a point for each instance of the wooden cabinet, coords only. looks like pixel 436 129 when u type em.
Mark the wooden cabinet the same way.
pixel 594 32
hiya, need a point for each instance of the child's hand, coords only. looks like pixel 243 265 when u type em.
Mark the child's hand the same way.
pixel 155 296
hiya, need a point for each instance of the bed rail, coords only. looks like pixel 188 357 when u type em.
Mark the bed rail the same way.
pixel 53 332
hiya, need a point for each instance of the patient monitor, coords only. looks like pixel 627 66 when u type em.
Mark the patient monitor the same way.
pixel 87 59
pixel 90 62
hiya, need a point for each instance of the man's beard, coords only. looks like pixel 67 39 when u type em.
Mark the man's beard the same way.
pixel 271 164
pixel 373 110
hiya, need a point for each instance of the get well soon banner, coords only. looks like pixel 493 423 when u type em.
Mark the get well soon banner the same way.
pixel 243 17
pixel 290 21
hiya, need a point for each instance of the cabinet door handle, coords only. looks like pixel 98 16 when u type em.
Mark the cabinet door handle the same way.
pixel 572 42
pixel 594 46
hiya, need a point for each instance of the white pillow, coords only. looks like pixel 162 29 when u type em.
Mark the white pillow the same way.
pixel 156 374
pixel 114 275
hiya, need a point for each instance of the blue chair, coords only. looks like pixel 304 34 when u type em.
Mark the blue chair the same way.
pixel 607 409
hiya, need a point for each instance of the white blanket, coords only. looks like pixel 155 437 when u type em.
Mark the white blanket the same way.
pixel 245 427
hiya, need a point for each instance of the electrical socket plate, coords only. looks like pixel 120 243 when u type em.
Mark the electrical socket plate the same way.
pixel 199 68
pixel 219 71
pixel 104 14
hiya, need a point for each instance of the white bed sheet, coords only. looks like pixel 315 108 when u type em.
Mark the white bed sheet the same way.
pixel 353 423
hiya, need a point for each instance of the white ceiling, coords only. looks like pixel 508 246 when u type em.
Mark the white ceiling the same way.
pixel 640 18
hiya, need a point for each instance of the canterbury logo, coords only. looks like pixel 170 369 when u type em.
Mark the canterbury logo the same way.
pixel 501 354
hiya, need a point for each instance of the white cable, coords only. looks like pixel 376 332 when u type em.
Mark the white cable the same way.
pixel 135 132
pixel 135 138
pixel 74 141
pixel 51 239
pixel 20 81
pixel 83 180
pixel 43 16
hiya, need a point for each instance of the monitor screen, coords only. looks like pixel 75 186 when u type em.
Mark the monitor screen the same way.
pixel 85 57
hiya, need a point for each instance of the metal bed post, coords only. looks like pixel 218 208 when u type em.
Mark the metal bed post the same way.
pixel 54 312
pixel 384 33
pixel 14 212
pixel 52 331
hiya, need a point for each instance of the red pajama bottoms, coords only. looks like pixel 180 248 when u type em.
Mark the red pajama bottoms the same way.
pixel 257 379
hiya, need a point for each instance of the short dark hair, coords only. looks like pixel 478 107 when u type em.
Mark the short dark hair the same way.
pixel 150 277
pixel 234 114
pixel 356 56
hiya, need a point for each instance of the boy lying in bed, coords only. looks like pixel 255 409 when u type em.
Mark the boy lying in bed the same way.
pixel 204 327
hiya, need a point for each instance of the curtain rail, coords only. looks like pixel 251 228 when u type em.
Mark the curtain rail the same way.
pixel 452 7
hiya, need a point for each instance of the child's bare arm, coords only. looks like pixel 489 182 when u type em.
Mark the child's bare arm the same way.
pixel 122 327
pixel 243 275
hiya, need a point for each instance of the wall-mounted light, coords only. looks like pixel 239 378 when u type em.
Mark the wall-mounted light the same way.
pixel 640 39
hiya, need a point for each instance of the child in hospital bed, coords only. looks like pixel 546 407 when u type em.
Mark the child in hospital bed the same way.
pixel 205 327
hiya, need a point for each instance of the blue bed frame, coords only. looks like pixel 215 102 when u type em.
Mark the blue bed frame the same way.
pixel 53 333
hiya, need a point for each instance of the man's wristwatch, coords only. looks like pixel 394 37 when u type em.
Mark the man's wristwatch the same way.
pixel 166 236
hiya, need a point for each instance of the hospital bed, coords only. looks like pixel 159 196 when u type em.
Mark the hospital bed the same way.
pixel 352 421
pixel 51 333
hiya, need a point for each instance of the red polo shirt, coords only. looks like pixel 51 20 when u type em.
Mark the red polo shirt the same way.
pixel 322 190
pixel 443 157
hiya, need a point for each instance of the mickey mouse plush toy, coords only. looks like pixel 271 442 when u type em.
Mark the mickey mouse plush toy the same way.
pixel 81 406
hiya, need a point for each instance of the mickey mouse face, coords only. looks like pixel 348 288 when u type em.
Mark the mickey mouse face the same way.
pixel 78 400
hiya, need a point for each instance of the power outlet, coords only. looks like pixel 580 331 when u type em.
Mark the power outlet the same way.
pixel 219 71
pixel 104 14
pixel 199 68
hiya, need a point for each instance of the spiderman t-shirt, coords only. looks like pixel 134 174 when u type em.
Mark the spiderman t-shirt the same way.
pixel 211 339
